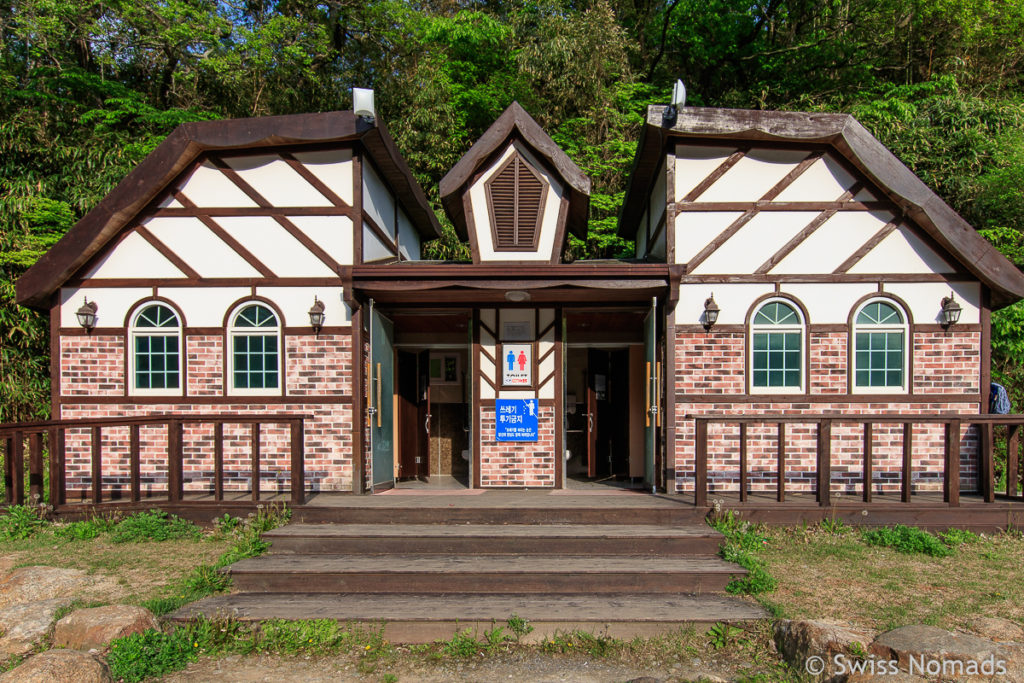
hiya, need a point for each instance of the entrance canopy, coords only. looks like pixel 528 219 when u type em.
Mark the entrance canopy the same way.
pixel 449 283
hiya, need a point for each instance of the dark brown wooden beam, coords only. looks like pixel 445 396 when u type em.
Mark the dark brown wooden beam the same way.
pixel 713 177
pixel 167 253
pixel 863 250
pixel 246 255
pixel 868 461
pixel 97 465
pixel 951 470
pixel 907 487
pixel 825 463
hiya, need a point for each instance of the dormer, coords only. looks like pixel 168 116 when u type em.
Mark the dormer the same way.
pixel 516 195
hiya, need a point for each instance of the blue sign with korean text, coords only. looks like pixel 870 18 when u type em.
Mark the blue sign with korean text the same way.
pixel 516 419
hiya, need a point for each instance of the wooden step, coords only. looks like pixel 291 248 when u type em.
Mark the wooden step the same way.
pixel 413 618
pixel 494 539
pixel 427 513
pixel 482 574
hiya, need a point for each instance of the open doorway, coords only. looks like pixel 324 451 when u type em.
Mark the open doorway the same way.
pixel 432 400
pixel 605 399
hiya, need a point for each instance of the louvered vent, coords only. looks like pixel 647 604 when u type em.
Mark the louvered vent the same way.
pixel 515 199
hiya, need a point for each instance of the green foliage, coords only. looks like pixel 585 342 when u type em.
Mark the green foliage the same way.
pixel 907 539
pixel 519 626
pixel 85 530
pixel 742 542
pixel 21 521
pixel 834 526
pixel 957 537
pixel 151 654
pixel 155 525
pixel 595 646
pixel 723 635
pixel 227 524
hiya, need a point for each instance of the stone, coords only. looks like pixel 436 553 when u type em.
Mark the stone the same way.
pixel 95 627
pixel 59 666
pixel 898 677
pixel 22 626
pixel 997 629
pixel 797 640
pixel 961 656
pixel 31 584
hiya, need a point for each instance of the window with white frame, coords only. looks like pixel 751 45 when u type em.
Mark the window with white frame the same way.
pixel 777 348
pixel 255 356
pixel 155 356
pixel 880 347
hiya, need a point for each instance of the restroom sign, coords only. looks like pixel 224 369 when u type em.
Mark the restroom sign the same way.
pixel 517 365
pixel 515 419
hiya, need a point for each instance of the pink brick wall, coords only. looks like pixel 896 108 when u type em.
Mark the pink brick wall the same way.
pixel 319 367
pixel 92 365
pixel 943 364
pixel 530 464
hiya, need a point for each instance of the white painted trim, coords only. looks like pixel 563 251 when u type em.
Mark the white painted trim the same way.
pixel 852 347
pixel 134 331
pixel 753 328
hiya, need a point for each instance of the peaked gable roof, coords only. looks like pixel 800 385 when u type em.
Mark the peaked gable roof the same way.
pixel 514 123
pixel 186 144
pixel 851 141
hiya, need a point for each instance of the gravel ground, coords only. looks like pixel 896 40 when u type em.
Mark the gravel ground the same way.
pixel 532 667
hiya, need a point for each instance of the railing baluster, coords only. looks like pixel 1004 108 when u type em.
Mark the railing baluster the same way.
pixel 135 465
pixel 35 467
pixel 987 473
pixel 255 461
pixel 869 447
pixel 9 470
pixel 53 435
pixel 825 463
pixel 700 483
pixel 951 478
pixel 18 470
pixel 175 439
pixel 1012 458
pixel 907 483
pixel 97 465
pixel 743 462
pixel 218 461
pixel 782 462
pixel 298 473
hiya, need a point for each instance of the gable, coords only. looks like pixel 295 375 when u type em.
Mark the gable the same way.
pixel 792 210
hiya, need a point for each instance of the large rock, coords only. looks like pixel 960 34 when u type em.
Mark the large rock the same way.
pixel 23 626
pixel 935 653
pixel 32 584
pixel 59 666
pixel 799 640
pixel 86 629
pixel 997 629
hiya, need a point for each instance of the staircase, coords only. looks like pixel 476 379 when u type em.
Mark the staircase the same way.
pixel 636 573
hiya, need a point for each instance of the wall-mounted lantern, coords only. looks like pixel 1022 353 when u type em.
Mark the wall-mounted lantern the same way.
pixel 87 315
pixel 317 315
pixel 710 313
pixel 950 311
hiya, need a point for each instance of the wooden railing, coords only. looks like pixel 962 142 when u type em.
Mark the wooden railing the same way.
pixel 53 435
pixel 953 427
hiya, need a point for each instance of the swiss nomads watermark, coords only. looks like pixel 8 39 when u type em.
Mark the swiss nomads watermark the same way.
pixel 917 665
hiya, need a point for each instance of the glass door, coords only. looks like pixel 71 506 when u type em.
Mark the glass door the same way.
pixel 382 405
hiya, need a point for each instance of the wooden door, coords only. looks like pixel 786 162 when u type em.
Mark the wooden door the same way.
pixel 408 416
pixel 382 400
pixel 423 417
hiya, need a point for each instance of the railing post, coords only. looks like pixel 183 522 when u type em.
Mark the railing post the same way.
pixel 17 465
pixel 135 465
pixel 825 463
pixel 35 467
pixel 298 473
pixel 986 469
pixel 97 465
pixel 700 483
pixel 1012 458
pixel 869 452
pixel 951 473
pixel 175 438
pixel 255 461
pixel 55 447
pixel 218 461
pixel 743 462
pixel 9 470
pixel 907 484
pixel 782 463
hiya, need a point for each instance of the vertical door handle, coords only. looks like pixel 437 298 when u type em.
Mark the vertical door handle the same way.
pixel 378 395
pixel 590 422
pixel 426 425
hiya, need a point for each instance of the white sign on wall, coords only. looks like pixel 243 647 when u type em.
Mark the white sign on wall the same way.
pixel 517 365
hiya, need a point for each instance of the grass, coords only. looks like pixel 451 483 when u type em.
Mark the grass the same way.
pixel 888 578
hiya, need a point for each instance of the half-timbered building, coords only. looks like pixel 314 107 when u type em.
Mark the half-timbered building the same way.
pixel 802 315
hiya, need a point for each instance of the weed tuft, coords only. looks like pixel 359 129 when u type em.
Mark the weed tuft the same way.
pixel 21 522
pixel 908 540
pixel 155 525
pixel 742 541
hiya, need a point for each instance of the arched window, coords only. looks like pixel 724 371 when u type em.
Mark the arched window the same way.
pixel 777 348
pixel 255 356
pixel 155 350
pixel 880 347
